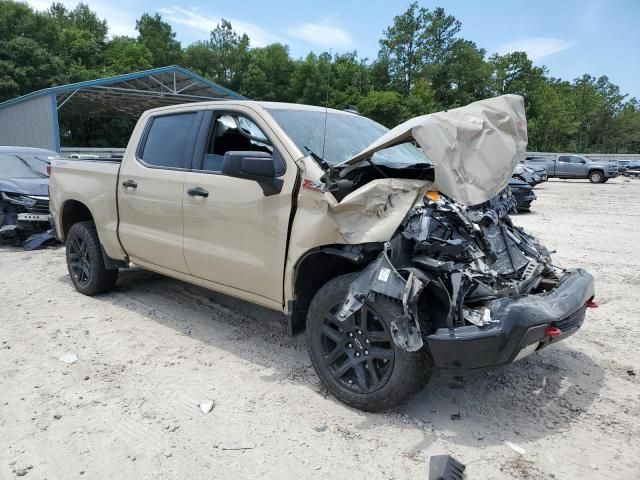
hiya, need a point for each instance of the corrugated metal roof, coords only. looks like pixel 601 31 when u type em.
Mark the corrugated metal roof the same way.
pixel 182 85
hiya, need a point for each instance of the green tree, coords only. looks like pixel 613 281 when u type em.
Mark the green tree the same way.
pixel 310 79
pixel 198 57
pixel 125 55
pixel 439 35
pixel 463 76
pixel 404 47
pixel 230 54
pixel 268 76
pixel 514 73
pixel 158 38
pixel 28 42
pixel 385 107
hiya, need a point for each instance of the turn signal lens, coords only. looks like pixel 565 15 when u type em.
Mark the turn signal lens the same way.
pixel 552 331
pixel 433 195
pixel 591 304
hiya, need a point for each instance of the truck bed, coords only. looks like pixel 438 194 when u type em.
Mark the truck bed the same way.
pixel 95 181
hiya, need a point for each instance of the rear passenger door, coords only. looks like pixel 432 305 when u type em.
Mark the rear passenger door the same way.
pixel 234 234
pixel 150 190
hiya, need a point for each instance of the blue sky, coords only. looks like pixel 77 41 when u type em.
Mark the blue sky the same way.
pixel 570 37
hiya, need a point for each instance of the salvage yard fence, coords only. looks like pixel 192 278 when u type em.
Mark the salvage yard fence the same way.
pixel 118 152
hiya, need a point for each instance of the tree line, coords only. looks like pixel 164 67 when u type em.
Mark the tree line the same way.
pixel 423 65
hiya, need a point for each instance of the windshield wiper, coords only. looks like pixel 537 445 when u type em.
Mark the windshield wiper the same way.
pixel 319 160
pixel 30 167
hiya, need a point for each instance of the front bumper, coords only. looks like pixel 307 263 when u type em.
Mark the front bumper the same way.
pixel 524 200
pixel 520 324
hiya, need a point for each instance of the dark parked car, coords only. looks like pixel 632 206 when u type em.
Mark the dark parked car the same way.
pixel 540 170
pixel 24 192
pixel 523 194
pixel 527 174
pixel 632 169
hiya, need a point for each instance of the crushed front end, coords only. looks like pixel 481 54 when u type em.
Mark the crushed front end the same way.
pixel 476 289
pixel 23 216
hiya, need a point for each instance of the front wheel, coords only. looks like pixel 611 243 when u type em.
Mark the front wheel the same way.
pixel 85 261
pixel 596 177
pixel 357 359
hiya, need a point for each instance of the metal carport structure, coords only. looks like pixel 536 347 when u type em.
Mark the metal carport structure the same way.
pixel 33 119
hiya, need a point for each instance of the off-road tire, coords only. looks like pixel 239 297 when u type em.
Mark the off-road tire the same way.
pixel 596 176
pixel 99 279
pixel 410 370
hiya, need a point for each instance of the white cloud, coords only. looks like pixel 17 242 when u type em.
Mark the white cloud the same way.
pixel 119 21
pixel 323 34
pixel 258 36
pixel 537 48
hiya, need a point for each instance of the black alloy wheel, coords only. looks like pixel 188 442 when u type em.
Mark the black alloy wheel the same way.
pixel 357 359
pixel 79 261
pixel 86 262
pixel 358 351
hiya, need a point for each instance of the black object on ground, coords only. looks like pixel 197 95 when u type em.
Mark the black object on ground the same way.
pixel 445 467
pixel 39 240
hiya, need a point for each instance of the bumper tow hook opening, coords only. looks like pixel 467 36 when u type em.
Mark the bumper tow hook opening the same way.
pixel 591 304
pixel 552 331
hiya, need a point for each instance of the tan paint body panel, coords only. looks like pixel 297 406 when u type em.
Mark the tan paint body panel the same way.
pixel 237 236
pixel 233 241
pixel 94 185
pixel 151 225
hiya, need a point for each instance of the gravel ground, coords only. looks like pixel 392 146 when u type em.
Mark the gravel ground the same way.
pixel 151 351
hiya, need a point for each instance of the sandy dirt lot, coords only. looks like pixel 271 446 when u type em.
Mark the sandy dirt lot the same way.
pixel 151 351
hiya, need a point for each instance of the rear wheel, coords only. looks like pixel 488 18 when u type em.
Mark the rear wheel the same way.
pixel 596 177
pixel 85 261
pixel 356 359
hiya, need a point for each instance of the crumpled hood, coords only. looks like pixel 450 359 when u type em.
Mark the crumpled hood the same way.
pixel 474 149
pixel 25 186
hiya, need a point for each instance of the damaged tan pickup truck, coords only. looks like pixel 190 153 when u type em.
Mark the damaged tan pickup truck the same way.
pixel 393 248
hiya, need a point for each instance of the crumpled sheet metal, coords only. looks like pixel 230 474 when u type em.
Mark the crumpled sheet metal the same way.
pixel 374 212
pixel 474 149
pixel 371 213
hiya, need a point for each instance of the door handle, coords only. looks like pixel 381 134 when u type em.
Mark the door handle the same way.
pixel 198 192
pixel 129 184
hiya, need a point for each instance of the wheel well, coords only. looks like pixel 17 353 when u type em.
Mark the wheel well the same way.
pixel 599 170
pixel 312 272
pixel 73 211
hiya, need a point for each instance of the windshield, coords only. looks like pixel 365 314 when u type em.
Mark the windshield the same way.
pixel 13 167
pixel 346 136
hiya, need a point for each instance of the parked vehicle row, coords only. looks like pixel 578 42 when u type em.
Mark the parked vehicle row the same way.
pixel 575 166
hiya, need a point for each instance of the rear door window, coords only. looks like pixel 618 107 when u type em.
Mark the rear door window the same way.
pixel 170 141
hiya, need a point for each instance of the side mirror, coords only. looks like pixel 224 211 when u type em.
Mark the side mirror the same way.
pixel 261 167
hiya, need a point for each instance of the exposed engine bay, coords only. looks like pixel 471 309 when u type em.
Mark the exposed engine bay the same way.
pixel 448 262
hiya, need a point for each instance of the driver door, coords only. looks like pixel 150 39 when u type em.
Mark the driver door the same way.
pixel 235 235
